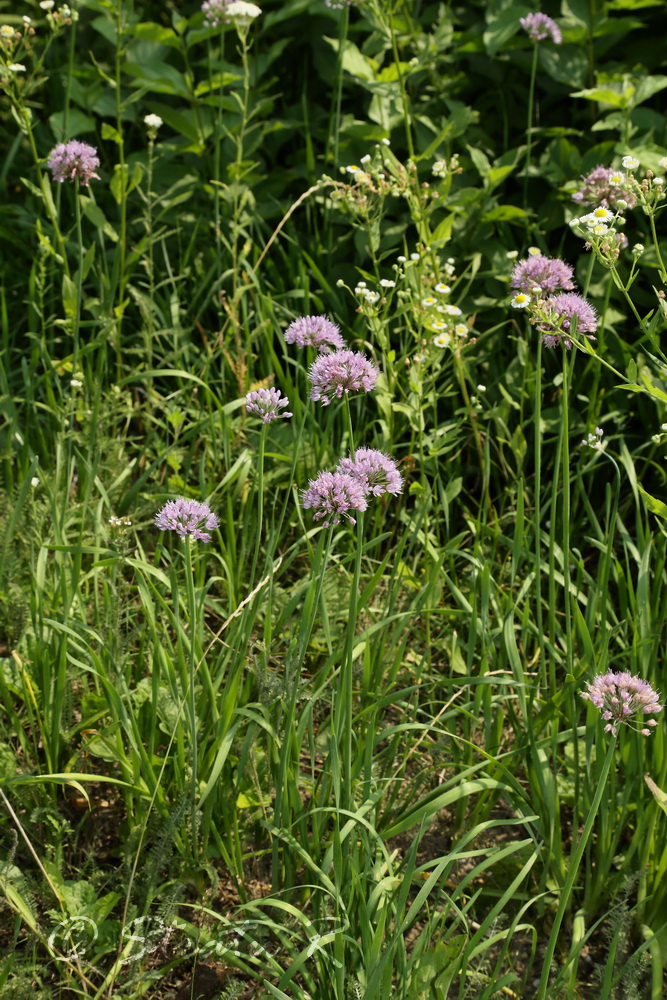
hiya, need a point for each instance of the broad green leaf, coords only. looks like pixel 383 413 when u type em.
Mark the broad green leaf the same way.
pixel 78 123
pixel 353 60
pixel 605 95
pixel 504 213
pixel 654 505
pixel 502 28
pixel 159 77
pixel 658 794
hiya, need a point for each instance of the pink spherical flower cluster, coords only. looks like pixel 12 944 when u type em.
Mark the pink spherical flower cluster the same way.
pixel 187 518
pixel 539 26
pixel 560 312
pixel 214 12
pixel 334 375
pixel 621 697
pixel 267 404
pixel 605 186
pixel 72 161
pixel 375 471
pixel 315 331
pixel 333 495
pixel 547 273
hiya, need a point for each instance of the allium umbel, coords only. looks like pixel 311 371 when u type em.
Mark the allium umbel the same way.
pixel 549 273
pixel 333 495
pixel 314 331
pixel 606 187
pixel 539 26
pixel 187 518
pixel 560 311
pixel 267 403
pixel 72 161
pixel 376 472
pixel 334 375
pixel 622 697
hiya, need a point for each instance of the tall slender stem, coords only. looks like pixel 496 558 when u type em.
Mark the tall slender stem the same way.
pixel 538 510
pixel 575 861
pixel 192 614
pixel 79 280
pixel 401 84
pixel 122 189
pixel 529 125
pixel 260 502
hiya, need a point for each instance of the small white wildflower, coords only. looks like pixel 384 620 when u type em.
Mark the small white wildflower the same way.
pixel 353 168
pixel 428 301
pixel 153 121
pixel 534 251
pixel 6 31
pixel 365 159
pixel 47 4
pixel 420 357
pixel 243 12
pixel 439 167
pixel 616 179
pixel 361 284
pixel 600 229
pixel 401 259
pixel 442 340
pixel 34 481
pixel 511 254
pixel 481 388
pixel 414 256
pixel 439 325
pixel 76 383
pixel 521 300
pixel 663 162
pixel 630 162
pixel 575 221
pixel 387 283
pixel 443 289
pixel 461 330
pixel 602 214
pixel 659 181
pixel 16 67
pixel 594 440
pixel 372 297
pixel 26 19
pixel 663 427
pixel 453 311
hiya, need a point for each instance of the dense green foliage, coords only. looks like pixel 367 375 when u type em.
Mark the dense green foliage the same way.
pixel 320 762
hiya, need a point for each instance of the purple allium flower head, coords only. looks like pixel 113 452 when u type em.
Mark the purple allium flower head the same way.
pixel 187 517
pixel 539 27
pixel 72 160
pixel 332 495
pixel 549 273
pixel 214 12
pixel 560 310
pixel 604 186
pixel 267 403
pixel 376 472
pixel 314 331
pixel 621 697
pixel 332 375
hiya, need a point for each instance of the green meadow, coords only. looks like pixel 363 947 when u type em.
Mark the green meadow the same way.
pixel 333 513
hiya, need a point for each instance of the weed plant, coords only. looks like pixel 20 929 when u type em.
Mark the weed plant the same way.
pixel 333 535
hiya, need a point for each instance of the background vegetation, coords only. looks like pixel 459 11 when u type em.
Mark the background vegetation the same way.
pixel 297 762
